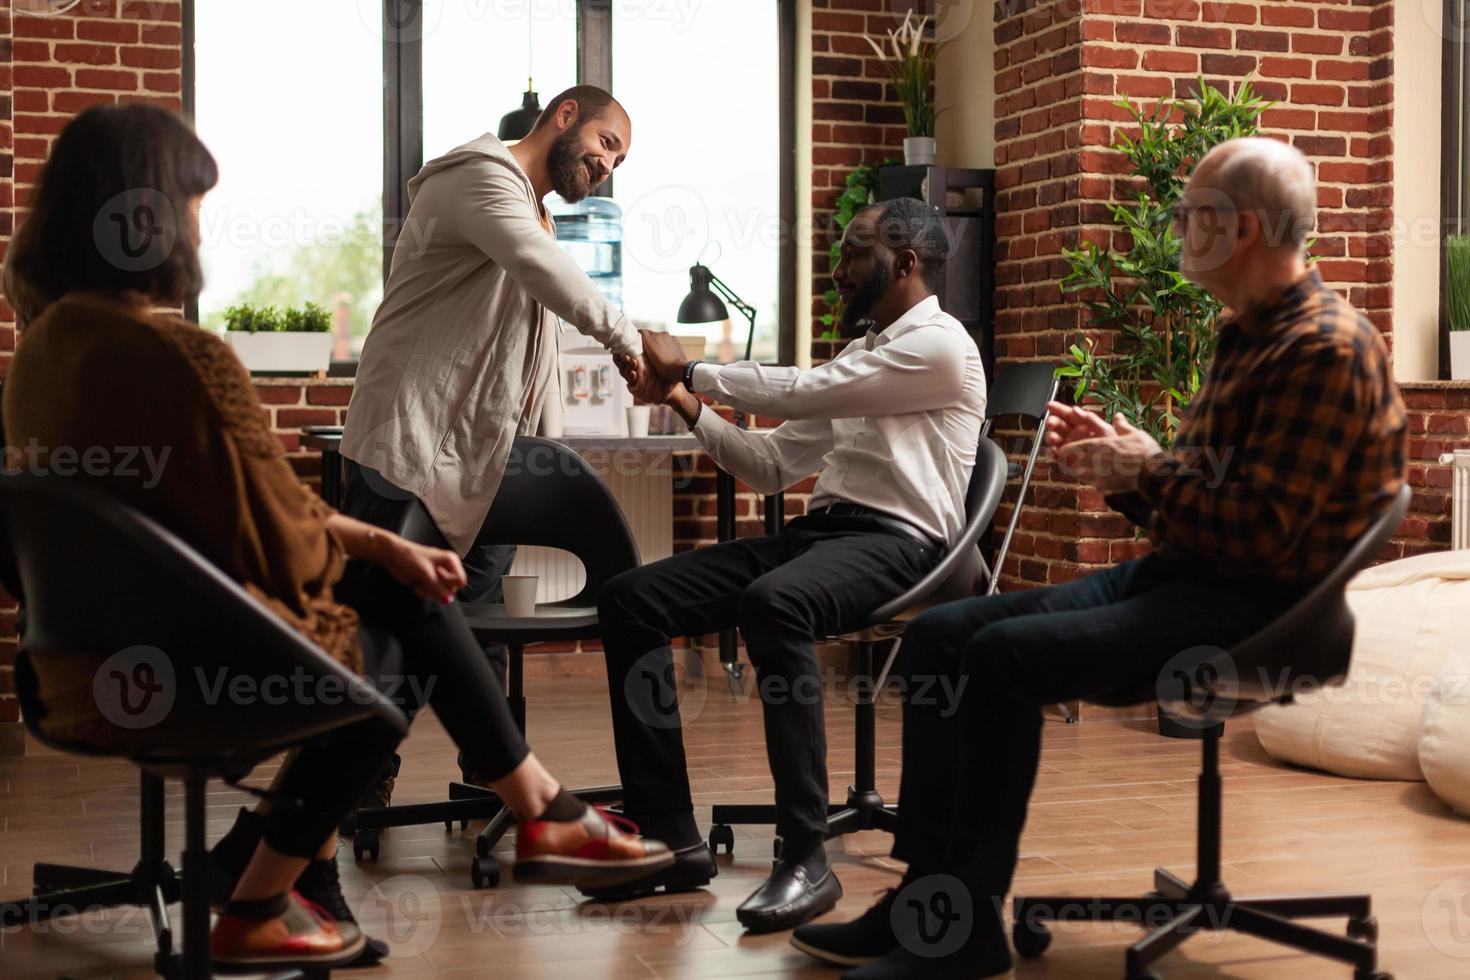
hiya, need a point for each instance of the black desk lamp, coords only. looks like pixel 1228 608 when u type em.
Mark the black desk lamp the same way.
pixel 703 306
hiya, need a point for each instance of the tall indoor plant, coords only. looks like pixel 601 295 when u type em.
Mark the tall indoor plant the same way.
pixel 1165 323
pixel 910 66
pixel 1457 254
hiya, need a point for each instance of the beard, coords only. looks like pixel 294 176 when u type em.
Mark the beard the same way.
pixel 868 293
pixel 569 167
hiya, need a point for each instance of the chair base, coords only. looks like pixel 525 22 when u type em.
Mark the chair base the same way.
pixel 466 802
pixel 1175 910
pixel 863 810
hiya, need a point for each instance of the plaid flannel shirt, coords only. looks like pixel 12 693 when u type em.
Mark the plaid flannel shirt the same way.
pixel 1291 448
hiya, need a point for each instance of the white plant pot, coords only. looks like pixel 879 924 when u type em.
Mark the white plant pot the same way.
pixel 918 151
pixel 1460 355
pixel 296 352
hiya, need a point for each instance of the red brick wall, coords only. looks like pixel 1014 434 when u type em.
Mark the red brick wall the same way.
pixel 1060 66
pixel 50 69
pixel 1439 422
pixel 856 118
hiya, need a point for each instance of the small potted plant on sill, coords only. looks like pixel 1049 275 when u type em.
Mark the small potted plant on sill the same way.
pixel 911 67
pixel 1457 254
pixel 272 341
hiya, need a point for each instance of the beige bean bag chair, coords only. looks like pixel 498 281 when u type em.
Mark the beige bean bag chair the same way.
pixel 1412 616
pixel 1444 733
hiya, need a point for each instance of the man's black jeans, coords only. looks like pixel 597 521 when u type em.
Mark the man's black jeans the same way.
pixel 970 760
pixel 784 591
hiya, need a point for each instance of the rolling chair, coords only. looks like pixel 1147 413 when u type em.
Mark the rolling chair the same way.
pixel 957 576
pixel 1307 648
pixel 101 580
pixel 549 497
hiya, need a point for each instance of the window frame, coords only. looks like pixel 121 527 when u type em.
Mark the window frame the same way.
pixel 403 137
pixel 1454 149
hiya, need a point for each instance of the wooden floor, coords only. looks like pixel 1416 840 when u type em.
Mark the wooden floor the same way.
pixel 1113 800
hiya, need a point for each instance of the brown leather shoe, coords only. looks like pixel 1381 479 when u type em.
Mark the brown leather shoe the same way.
pixel 596 849
pixel 305 936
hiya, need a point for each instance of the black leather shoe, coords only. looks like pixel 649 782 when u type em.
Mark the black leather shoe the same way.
pixel 797 890
pixel 854 943
pixel 693 868
pixel 936 941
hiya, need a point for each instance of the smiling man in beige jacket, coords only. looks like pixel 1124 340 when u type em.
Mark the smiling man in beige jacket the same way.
pixel 462 354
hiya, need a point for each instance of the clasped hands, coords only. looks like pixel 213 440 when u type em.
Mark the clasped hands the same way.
pixel 656 376
pixel 1111 458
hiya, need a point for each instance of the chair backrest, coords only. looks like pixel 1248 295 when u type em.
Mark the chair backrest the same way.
pixel 175 659
pixel 551 498
pixel 960 572
pixel 1022 389
pixel 1307 647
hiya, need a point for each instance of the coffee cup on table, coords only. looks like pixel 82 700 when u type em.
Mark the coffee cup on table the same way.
pixel 520 595
pixel 638 416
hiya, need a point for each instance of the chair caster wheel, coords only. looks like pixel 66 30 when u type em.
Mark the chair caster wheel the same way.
pixel 365 842
pixel 485 872
pixel 721 834
pixel 1365 929
pixel 1031 939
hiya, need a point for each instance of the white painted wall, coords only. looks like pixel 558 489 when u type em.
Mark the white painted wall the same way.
pixel 1416 189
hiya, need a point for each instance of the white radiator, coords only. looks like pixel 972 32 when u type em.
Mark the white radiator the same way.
pixel 1459 497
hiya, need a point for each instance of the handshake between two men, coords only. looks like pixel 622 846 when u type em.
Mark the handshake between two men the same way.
pixel 657 376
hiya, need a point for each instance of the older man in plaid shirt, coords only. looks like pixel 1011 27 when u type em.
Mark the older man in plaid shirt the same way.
pixel 1292 447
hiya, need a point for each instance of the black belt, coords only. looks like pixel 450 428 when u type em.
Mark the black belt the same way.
pixel 888 521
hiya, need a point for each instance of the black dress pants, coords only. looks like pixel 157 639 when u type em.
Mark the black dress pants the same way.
pixel 784 591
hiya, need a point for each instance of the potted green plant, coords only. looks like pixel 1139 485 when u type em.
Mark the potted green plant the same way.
pixel 270 340
pixel 1457 254
pixel 1165 323
pixel 910 66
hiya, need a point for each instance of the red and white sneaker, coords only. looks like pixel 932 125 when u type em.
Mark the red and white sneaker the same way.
pixel 304 937
pixel 597 849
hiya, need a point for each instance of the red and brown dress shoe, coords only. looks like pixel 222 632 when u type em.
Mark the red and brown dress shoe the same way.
pixel 597 848
pixel 304 935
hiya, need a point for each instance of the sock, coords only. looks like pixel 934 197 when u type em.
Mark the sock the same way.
pixel 259 909
pixel 563 808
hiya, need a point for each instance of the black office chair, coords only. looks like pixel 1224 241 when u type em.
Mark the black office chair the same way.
pixel 959 575
pixel 1307 648
pixel 1022 390
pixel 100 580
pixel 549 497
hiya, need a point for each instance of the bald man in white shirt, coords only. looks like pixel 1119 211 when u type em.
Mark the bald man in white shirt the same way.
pixel 893 425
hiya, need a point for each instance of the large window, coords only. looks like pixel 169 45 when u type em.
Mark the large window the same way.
pixel 1454 158
pixel 478 56
pixel 703 179
pixel 320 112
pixel 289 98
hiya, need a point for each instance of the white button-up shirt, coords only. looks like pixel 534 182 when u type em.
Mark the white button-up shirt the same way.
pixel 892 423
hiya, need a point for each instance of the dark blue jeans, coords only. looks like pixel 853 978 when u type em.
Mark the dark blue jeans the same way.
pixel 970 753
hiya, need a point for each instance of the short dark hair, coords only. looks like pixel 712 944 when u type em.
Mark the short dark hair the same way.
pixel 110 209
pixel 909 223
pixel 591 103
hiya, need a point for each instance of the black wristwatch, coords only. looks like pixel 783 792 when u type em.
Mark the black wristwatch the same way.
pixel 689 374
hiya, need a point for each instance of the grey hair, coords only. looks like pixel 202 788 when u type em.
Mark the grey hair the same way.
pixel 1273 180
pixel 907 222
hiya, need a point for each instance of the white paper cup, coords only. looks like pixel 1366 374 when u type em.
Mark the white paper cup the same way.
pixel 638 416
pixel 520 595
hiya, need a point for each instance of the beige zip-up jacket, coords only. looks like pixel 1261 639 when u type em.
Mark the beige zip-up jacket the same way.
pixel 462 355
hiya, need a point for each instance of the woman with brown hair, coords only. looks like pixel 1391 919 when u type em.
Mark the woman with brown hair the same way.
pixel 111 242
